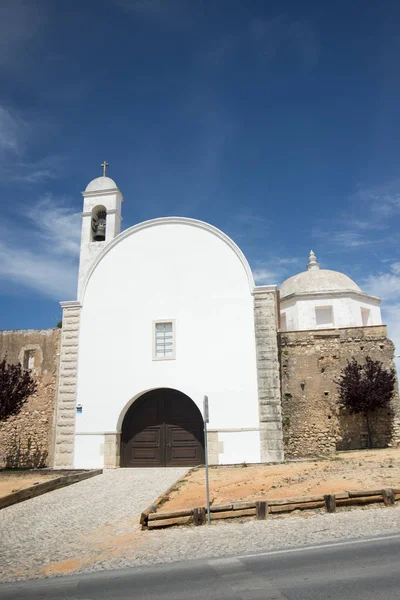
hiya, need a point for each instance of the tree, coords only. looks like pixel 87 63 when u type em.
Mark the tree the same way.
pixel 16 385
pixel 365 388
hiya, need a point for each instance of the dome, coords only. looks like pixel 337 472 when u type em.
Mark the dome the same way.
pixel 316 281
pixel 101 183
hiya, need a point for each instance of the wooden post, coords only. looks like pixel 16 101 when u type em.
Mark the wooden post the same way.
pixel 199 515
pixel 261 510
pixel 330 503
pixel 388 497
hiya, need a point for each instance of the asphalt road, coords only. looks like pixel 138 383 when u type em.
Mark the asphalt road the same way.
pixel 367 569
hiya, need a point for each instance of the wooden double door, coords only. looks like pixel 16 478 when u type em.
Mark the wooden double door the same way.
pixel 164 428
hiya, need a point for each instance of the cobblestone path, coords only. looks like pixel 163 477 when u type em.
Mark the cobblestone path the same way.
pixel 93 525
pixel 75 526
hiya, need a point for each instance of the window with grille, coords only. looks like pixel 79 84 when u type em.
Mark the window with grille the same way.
pixel 164 340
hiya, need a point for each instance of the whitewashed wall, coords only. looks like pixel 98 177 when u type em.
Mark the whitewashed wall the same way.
pixel 300 312
pixel 169 269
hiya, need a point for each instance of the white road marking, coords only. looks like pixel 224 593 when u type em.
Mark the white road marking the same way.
pixel 244 584
pixel 321 546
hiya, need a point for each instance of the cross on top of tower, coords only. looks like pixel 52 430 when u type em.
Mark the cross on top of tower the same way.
pixel 104 164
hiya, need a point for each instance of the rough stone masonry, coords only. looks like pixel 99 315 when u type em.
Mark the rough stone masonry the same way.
pixel 311 362
pixel 26 440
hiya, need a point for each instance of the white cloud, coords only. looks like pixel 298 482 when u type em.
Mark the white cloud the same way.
pixel 48 261
pixel 345 238
pixel 282 260
pixel 264 276
pixel 36 176
pixel 395 267
pixel 382 199
pixel 57 225
pixel 387 286
pixel 51 277
pixel 11 132
pixel 274 270
pixel 16 166
pixel 391 317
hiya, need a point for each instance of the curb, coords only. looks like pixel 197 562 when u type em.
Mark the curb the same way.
pixel 47 486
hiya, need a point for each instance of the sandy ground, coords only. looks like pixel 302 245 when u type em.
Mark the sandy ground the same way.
pixel 14 481
pixel 346 471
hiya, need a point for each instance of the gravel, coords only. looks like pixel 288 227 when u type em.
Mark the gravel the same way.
pixel 93 525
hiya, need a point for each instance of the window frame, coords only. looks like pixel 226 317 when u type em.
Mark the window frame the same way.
pixel 171 356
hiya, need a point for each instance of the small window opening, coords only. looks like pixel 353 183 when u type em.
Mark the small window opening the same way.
pixel 366 317
pixel 283 322
pixel 99 224
pixel 324 316
pixel 29 359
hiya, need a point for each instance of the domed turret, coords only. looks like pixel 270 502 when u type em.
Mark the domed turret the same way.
pixel 317 281
pixel 322 299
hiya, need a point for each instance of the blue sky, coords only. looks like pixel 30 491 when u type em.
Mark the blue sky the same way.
pixel 278 122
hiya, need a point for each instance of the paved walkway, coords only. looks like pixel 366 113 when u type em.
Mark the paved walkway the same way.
pixel 93 525
pixel 73 526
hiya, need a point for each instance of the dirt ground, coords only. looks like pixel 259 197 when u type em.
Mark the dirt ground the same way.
pixel 345 471
pixel 13 481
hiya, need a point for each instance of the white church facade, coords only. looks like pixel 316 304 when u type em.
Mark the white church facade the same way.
pixel 167 311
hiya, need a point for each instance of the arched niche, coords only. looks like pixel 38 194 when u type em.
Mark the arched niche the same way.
pixel 99 224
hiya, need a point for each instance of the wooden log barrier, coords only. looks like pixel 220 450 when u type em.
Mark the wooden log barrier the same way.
pixel 172 514
pixel 260 508
pixel 232 514
pixel 169 522
pixel 220 507
pixel 281 508
pixel 359 500
pixel 363 493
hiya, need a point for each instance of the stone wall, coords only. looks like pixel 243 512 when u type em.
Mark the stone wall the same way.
pixel 311 361
pixel 27 438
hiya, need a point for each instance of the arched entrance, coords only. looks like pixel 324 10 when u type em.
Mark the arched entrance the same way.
pixel 163 428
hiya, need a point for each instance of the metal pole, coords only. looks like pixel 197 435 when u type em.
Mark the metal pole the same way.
pixel 207 481
pixel 206 417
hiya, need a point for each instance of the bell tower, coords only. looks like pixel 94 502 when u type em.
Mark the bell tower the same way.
pixel 101 220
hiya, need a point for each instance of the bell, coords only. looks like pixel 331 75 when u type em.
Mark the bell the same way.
pixel 100 234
